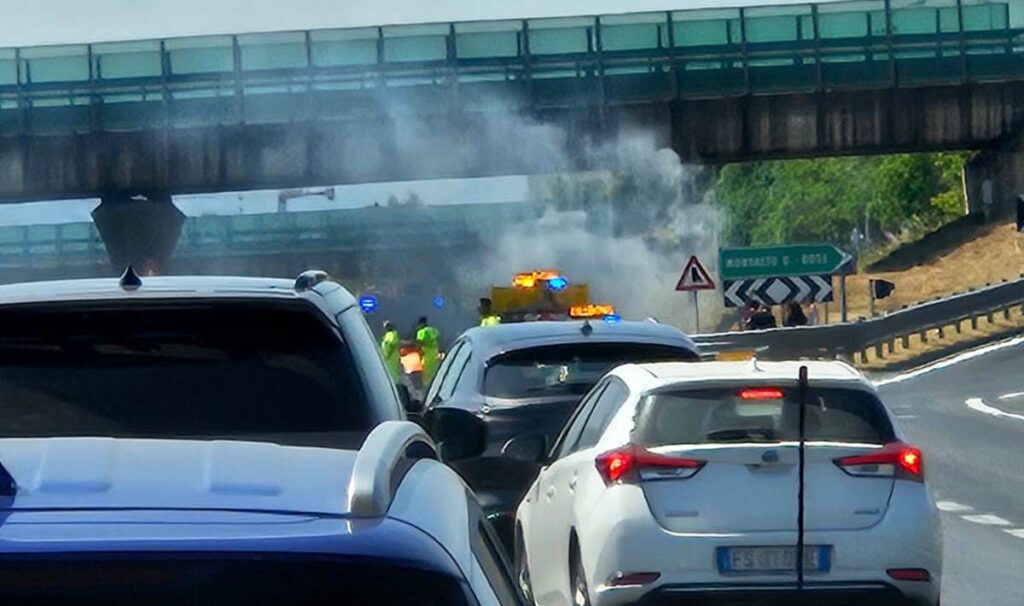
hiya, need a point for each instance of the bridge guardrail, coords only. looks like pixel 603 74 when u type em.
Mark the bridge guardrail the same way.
pixel 856 338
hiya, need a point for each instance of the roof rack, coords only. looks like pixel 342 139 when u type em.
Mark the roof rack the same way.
pixel 310 278
pixel 388 452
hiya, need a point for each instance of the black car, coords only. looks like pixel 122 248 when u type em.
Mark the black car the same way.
pixel 526 379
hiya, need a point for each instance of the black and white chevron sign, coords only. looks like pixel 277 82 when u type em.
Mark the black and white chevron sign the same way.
pixel 776 291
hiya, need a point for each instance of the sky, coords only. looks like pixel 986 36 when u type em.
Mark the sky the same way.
pixel 36 22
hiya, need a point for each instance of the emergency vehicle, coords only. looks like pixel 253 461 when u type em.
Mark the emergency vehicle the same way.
pixel 546 294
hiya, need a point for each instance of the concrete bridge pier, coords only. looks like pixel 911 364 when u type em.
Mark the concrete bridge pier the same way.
pixel 139 228
pixel 994 178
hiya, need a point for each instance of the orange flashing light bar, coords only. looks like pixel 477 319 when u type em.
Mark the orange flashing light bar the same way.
pixel 591 310
pixel 529 279
pixel 524 280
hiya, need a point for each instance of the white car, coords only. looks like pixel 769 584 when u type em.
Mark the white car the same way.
pixel 679 481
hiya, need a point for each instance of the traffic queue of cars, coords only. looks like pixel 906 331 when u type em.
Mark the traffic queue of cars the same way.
pixel 156 449
pixel 678 481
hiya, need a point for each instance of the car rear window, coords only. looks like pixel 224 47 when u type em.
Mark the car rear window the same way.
pixel 759 414
pixel 561 370
pixel 225 582
pixel 269 371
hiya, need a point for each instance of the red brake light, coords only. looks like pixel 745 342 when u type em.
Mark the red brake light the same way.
pixel 895 459
pixel 634 462
pixel 761 393
pixel 909 574
pixel 615 465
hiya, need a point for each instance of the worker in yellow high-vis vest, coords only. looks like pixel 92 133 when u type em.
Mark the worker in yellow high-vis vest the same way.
pixel 428 339
pixel 487 316
pixel 391 348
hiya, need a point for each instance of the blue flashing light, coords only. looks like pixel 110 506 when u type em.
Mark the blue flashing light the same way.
pixel 368 303
pixel 612 319
pixel 439 301
pixel 557 284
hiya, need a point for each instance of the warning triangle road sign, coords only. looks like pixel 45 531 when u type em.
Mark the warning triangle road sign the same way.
pixel 695 277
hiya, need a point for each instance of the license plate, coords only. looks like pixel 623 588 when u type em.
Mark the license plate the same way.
pixel 772 559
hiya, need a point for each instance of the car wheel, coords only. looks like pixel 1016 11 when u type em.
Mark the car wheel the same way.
pixel 578 580
pixel 522 571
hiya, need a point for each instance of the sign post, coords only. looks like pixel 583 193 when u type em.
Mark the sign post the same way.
pixel 695 278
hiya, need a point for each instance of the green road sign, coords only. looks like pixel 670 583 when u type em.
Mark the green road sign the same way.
pixel 776 261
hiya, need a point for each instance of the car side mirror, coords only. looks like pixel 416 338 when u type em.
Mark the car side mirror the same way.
pixel 530 448
pixel 459 434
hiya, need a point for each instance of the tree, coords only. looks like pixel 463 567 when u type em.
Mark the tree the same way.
pixel 825 199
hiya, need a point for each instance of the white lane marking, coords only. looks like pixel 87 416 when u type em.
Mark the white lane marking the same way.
pixel 957 359
pixel 1017 532
pixel 987 518
pixel 980 405
pixel 1011 396
pixel 906 416
pixel 953 506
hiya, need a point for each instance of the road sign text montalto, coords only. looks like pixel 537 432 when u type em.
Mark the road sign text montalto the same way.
pixel 799 260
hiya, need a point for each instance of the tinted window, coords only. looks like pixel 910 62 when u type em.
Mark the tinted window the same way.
pixel 733 415
pixel 488 553
pixel 221 582
pixel 604 409
pixel 224 370
pixel 571 433
pixel 454 374
pixel 442 372
pixel 567 369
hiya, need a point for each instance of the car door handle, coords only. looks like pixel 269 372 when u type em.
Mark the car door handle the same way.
pixel 550 492
pixel 572 483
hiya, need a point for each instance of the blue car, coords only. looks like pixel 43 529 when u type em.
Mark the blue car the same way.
pixel 223 441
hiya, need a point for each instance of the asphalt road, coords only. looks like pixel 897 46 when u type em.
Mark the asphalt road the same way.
pixel 968 418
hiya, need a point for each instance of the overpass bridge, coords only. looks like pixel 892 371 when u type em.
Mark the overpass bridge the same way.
pixel 354 244
pixel 288 109
pixel 405 255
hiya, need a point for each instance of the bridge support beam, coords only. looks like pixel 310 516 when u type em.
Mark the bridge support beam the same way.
pixel 139 229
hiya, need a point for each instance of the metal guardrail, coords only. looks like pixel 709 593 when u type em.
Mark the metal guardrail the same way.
pixel 856 338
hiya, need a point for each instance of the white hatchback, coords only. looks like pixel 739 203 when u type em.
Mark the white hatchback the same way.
pixel 679 482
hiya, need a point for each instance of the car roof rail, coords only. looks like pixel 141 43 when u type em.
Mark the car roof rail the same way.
pixel 388 453
pixel 310 278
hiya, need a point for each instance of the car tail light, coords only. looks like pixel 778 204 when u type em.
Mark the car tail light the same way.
pixel 632 462
pixel 894 460
pixel 623 579
pixel 761 393
pixel 909 574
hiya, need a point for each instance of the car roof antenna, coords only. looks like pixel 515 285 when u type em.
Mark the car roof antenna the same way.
pixel 129 279
pixel 802 471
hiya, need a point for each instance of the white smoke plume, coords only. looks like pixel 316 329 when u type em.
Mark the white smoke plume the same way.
pixel 626 227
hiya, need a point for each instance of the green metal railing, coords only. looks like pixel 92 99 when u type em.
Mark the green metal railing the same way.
pixel 80 245
pixel 603 59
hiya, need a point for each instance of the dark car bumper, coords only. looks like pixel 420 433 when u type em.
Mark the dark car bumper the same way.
pixel 783 594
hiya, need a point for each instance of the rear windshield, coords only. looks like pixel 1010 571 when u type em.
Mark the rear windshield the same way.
pixel 564 370
pixel 221 582
pixel 224 371
pixel 761 414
